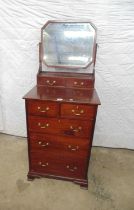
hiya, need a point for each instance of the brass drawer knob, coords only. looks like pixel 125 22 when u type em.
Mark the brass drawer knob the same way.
pixel 77 112
pixel 76 129
pixel 78 84
pixel 43 110
pixel 70 168
pixel 42 144
pixel 43 164
pixel 43 126
pixel 51 82
pixel 72 148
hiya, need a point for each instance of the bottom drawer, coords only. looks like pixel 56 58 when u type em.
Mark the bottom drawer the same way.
pixel 59 167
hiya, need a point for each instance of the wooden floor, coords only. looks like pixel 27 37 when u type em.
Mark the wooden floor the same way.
pixel 111 182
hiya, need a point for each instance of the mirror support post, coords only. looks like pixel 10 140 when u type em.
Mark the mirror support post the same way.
pixel 95 53
pixel 40 61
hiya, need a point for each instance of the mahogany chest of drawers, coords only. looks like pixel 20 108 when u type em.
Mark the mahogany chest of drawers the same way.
pixel 60 127
pixel 61 110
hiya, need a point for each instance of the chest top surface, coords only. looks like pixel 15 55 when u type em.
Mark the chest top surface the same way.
pixel 63 95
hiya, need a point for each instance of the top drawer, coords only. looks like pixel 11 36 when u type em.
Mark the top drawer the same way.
pixel 79 83
pixel 51 81
pixel 43 108
pixel 78 111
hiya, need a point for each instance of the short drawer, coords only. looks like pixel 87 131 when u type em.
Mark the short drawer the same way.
pixel 51 81
pixel 67 146
pixel 46 164
pixel 78 111
pixel 44 124
pixel 79 83
pixel 43 108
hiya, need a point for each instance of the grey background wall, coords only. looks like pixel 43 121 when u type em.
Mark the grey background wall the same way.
pixel 20 23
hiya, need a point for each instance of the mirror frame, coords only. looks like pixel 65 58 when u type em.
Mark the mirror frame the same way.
pixel 65 66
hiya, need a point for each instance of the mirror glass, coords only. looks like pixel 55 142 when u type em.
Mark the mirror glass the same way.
pixel 67 44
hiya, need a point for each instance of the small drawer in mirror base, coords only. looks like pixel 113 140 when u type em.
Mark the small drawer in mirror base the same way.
pixel 82 182
pixel 50 81
pixel 79 83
